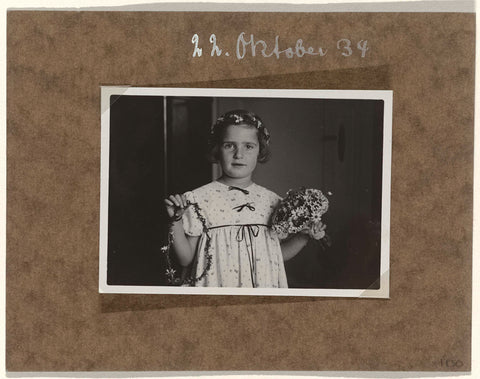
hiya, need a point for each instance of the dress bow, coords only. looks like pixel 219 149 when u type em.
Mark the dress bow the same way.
pixel 230 188
pixel 246 205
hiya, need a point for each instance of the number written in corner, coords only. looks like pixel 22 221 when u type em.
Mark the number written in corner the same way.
pixel 451 363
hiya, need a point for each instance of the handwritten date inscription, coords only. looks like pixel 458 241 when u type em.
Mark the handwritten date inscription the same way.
pixel 248 45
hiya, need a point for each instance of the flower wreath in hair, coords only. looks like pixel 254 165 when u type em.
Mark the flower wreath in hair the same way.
pixel 240 117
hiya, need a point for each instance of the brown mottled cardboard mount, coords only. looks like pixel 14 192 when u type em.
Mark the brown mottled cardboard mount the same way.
pixel 57 320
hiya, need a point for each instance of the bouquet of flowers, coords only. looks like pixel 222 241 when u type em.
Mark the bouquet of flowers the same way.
pixel 301 209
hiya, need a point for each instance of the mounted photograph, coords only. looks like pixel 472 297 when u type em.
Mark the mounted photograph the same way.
pixel 245 192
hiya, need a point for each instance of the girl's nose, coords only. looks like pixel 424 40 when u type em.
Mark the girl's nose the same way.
pixel 238 153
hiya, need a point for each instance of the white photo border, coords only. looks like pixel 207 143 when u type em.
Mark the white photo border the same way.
pixel 385 95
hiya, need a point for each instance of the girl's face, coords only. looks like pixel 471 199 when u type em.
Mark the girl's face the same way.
pixel 238 152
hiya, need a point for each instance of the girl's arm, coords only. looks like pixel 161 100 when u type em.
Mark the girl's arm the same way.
pixel 292 246
pixel 183 245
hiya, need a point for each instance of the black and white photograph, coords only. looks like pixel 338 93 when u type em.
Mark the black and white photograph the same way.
pixel 245 192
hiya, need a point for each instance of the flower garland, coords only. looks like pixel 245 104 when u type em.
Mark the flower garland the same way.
pixel 170 272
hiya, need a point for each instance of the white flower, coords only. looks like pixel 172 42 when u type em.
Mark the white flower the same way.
pixel 238 118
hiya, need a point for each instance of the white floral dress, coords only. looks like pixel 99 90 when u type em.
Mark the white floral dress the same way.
pixel 244 251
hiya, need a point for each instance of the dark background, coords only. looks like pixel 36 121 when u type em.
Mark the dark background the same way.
pixel 333 145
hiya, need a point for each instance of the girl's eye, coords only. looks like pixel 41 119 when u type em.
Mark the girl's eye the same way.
pixel 228 145
pixel 250 147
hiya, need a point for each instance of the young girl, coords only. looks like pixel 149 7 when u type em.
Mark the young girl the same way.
pixel 242 249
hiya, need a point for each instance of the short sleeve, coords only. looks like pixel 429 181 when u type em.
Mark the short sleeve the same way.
pixel 191 223
pixel 274 200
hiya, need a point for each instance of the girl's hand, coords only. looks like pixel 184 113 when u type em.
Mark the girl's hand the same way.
pixel 316 231
pixel 176 205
